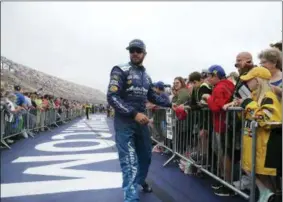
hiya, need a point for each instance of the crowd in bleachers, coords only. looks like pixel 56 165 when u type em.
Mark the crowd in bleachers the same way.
pixel 255 91
pixel 32 102
pixel 32 80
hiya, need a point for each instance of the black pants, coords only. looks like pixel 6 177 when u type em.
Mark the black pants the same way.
pixel 87 113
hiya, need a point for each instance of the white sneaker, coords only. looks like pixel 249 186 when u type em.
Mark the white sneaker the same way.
pixel 30 133
pixel 265 195
pixel 244 183
pixel 9 141
pixel 188 169
pixel 24 133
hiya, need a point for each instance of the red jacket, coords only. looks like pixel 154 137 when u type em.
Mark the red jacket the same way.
pixel 57 103
pixel 221 95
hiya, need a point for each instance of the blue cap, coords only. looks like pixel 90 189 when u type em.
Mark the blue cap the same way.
pixel 159 85
pixel 217 70
pixel 136 43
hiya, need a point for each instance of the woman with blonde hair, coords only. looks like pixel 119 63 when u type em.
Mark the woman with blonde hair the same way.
pixel 265 108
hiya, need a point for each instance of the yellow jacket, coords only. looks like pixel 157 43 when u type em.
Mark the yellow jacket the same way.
pixel 268 111
pixel 87 106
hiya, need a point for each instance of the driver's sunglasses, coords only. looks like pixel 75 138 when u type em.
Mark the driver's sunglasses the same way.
pixel 136 50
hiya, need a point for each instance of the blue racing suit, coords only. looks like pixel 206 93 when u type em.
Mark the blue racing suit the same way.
pixel 129 89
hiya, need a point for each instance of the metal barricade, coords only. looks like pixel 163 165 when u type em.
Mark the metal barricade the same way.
pixel 158 127
pixel 25 122
pixel 14 124
pixel 207 142
pixel 254 128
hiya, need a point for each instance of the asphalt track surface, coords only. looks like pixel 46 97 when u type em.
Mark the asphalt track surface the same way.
pixel 79 162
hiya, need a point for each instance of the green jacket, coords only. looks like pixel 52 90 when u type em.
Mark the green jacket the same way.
pixel 182 97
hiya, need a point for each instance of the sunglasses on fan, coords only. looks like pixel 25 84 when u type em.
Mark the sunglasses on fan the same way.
pixel 136 50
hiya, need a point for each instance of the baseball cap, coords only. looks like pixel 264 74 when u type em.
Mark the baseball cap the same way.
pixel 256 72
pixel 217 70
pixel 136 43
pixel 159 85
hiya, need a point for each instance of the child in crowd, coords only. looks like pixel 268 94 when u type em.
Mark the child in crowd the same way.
pixel 200 87
pixel 264 108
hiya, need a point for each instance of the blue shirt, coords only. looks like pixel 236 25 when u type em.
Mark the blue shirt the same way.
pixel 277 83
pixel 20 99
pixel 165 96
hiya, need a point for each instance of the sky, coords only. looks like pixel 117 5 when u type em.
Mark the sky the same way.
pixel 82 41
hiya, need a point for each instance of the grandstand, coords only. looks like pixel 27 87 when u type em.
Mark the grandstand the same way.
pixel 33 80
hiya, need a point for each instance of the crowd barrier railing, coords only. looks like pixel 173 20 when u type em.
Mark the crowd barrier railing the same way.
pixel 207 147
pixel 27 122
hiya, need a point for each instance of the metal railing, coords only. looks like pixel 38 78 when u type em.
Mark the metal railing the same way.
pixel 208 146
pixel 28 122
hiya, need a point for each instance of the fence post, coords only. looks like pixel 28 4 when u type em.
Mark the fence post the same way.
pixel 3 129
pixel 28 123
pixel 254 126
pixel 170 123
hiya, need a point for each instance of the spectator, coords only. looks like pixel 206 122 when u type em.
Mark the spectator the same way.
pixel 16 119
pixel 244 63
pixel 7 111
pixel 66 105
pixel 200 87
pixel 221 94
pixel 182 98
pixel 272 60
pixel 21 101
pixel 173 96
pixel 57 103
pixel 204 75
pixel 44 108
pixel 159 116
pixel 233 77
pixel 263 107
pixel 160 90
pixel 27 100
pixel 182 94
pixel 33 97
pixel 87 110
pixel 108 109
pixel 2 90
pixel 38 102
pixel 277 45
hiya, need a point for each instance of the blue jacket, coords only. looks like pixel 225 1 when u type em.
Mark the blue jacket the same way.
pixel 129 89
pixel 21 100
